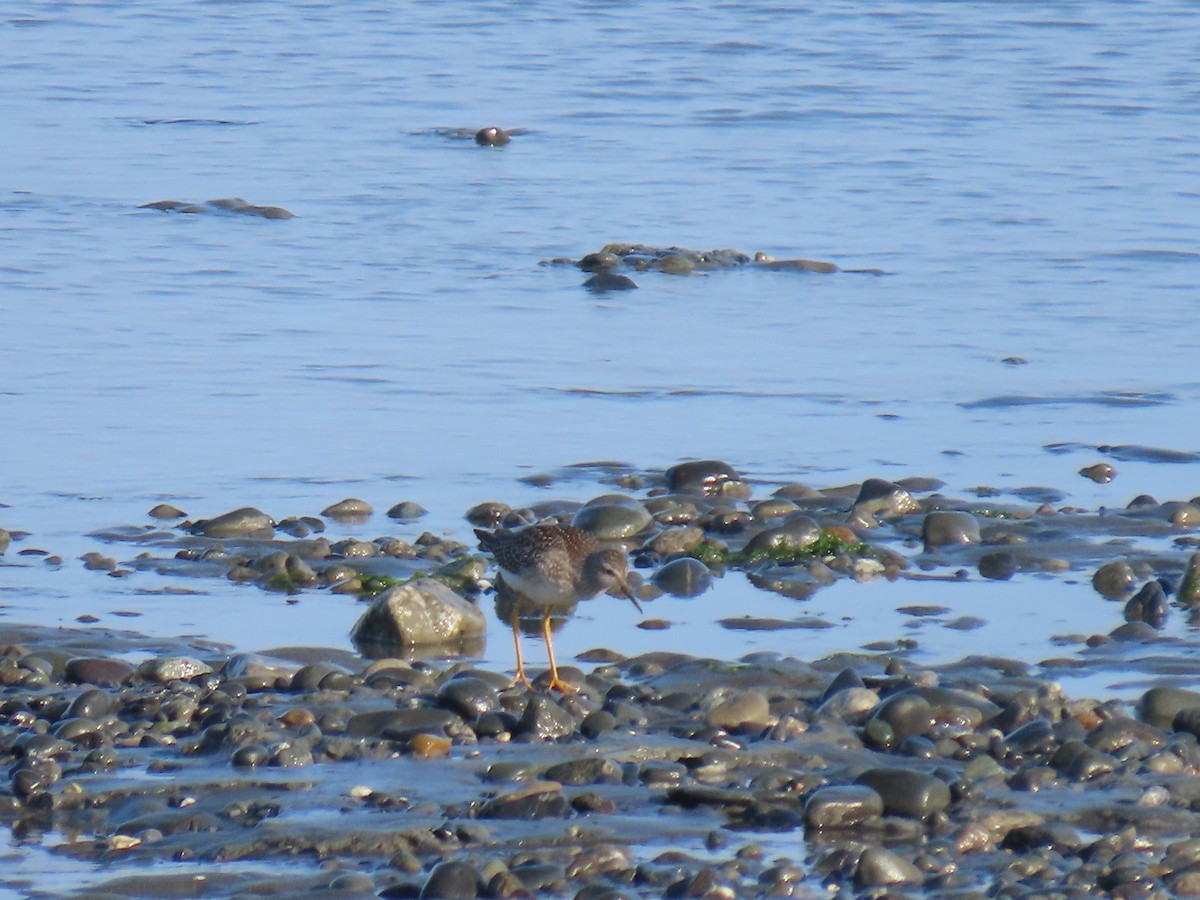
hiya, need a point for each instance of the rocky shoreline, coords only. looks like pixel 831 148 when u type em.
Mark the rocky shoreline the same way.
pixel 665 776
pixel 400 772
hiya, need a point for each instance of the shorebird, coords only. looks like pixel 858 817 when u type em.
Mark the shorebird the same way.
pixel 550 568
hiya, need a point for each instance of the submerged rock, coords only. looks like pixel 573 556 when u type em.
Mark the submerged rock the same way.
pixel 765 261
pixel 603 282
pixel 224 204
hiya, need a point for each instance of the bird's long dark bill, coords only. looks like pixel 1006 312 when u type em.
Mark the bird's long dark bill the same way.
pixel 624 589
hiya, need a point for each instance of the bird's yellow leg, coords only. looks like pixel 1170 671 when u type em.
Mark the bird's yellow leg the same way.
pixel 556 683
pixel 521 677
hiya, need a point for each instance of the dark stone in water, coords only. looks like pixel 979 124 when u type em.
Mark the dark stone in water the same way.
pixel 1148 605
pixel 587 770
pixel 468 696
pixel 491 136
pixel 544 718
pixel 904 714
pixel 603 282
pixel 538 800
pixel 700 477
pixel 1160 705
pixel 998 566
pixel 244 522
pixel 845 679
pixel 90 704
pixel 100 671
pixel 683 577
pixel 406 509
pixel 944 527
pixel 907 793
pixel 842 806
pixel 878 496
pixel 1101 473
pixel 1113 580
pixel 452 880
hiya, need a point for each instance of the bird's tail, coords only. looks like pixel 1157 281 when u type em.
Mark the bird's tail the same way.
pixel 487 539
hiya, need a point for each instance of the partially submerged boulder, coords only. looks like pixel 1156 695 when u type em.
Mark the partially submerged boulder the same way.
pixel 420 613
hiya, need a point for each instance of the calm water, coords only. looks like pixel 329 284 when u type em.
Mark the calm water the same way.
pixel 1027 172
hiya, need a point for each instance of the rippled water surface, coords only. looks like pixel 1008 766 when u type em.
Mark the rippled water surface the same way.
pixel 1025 173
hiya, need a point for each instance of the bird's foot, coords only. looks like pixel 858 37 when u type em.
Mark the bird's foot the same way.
pixel 563 687
pixel 522 679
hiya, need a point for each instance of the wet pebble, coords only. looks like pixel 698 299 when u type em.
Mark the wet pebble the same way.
pixel 1101 473
pixel 1159 705
pixel 406 509
pixel 906 792
pixel 1114 580
pixel 878 497
pixel 998 566
pixel 612 517
pixel 172 668
pixel 880 866
pixel 101 671
pixel 468 696
pixel 545 719
pixel 33 775
pixel 536 800
pixel 244 522
pixel 796 535
pixel 586 770
pixel 488 515
pixel 451 880
pixel 946 527
pixel 743 711
pixel 603 282
pixel 683 577
pixel 1148 605
pixel 898 717
pixel 350 508
pixel 709 476
pixel 842 806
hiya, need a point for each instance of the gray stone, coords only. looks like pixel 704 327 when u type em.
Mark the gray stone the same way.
pixel 1114 580
pixel 879 866
pixel 172 668
pixel 744 711
pixel 244 522
pixel 419 613
pixel 612 517
pixel 1160 705
pixel 683 577
pixel 98 670
pixel 907 792
pixel 944 527
pixel 350 508
pixel 705 476
pixel 878 498
pixel 842 806
pixel 406 509
pixel 1148 605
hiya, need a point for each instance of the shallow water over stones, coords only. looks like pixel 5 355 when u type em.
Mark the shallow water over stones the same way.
pixel 748 777
pixel 721 558
pixel 672 774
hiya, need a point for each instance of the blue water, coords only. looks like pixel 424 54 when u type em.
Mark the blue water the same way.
pixel 1026 173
